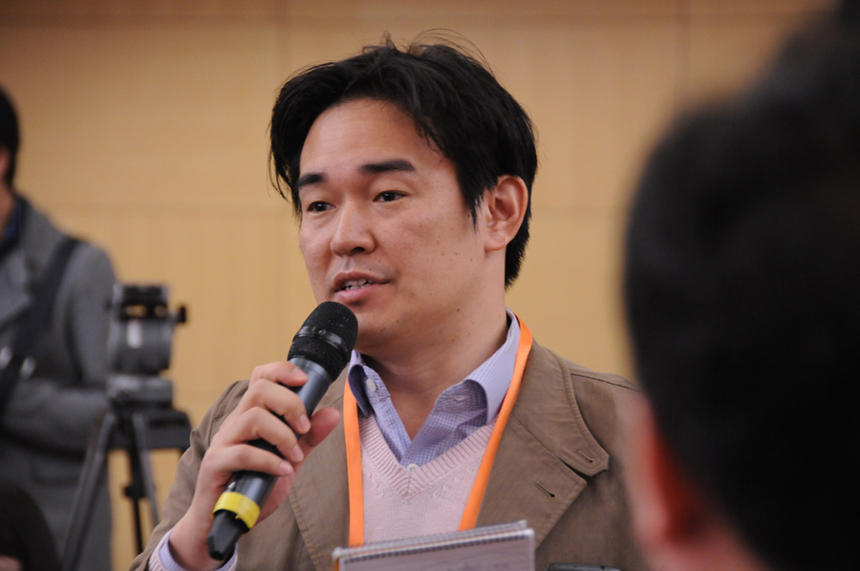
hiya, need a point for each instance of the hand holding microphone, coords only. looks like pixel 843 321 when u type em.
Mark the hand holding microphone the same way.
pixel 321 349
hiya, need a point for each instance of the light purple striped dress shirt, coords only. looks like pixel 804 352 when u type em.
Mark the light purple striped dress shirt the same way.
pixel 459 411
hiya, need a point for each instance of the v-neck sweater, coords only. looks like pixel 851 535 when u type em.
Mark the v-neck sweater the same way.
pixel 408 501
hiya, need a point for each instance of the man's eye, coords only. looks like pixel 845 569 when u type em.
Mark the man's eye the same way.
pixel 389 196
pixel 318 206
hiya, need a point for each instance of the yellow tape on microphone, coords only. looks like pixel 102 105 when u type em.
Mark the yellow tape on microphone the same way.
pixel 245 509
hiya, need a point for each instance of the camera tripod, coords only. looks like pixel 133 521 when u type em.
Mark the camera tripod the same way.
pixel 136 421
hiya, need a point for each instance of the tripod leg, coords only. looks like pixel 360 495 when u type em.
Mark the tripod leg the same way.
pixel 140 425
pixel 94 464
pixel 134 490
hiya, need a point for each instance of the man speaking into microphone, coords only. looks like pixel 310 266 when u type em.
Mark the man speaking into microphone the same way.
pixel 410 171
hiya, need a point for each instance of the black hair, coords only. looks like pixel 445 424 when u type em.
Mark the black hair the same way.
pixel 455 101
pixel 10 137
pixel 742 295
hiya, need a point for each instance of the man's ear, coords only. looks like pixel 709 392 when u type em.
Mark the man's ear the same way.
pixel 668 509
pixel 503 210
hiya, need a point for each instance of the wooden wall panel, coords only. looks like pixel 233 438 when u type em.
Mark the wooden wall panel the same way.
pixel 145 129
pixel 166 11
pixel 724 52
pixel 568 293
pixel 596 91
pixel 131 115
pixel 480 10
pixel 742 9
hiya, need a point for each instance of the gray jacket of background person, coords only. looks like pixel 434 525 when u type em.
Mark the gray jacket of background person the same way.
pixel 50 417
pixel 559 466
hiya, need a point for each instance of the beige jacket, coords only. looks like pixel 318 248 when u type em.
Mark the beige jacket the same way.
pixel 558 467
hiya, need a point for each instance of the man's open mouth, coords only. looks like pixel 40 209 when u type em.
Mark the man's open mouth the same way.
pixel 354 284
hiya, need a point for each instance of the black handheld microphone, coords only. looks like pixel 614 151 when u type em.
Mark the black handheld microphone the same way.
pixel 321 348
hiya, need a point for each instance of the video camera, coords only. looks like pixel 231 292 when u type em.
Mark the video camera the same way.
pixel 139 342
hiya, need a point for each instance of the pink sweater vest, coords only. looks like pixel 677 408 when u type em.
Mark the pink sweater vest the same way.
pixel 416 500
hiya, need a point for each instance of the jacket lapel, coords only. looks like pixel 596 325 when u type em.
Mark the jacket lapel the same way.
pixel 545 453
pixel 318 496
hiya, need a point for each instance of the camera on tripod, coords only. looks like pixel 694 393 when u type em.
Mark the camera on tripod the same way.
pixel 139 341
pixel 140 416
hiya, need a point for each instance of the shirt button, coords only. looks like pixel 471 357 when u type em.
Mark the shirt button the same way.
pixel 460 398
pixel 412 466
pixel 370 386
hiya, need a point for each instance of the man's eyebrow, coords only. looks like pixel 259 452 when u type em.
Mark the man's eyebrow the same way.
pixel 308 179
pixel 394 165
pixel 388 166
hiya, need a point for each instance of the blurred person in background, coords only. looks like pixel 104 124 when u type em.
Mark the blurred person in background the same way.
pixel 55 297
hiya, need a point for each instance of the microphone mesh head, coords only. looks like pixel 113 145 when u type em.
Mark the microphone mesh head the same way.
pixel 327 337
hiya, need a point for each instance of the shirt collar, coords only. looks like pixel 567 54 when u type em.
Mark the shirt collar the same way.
pixel 493 376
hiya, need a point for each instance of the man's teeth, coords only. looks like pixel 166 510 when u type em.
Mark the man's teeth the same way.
pixel 356 284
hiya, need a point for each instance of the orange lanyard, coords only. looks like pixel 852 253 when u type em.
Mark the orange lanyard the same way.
pixel 473 505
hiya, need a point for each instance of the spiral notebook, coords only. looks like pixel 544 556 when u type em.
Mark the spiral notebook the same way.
pixel 502 547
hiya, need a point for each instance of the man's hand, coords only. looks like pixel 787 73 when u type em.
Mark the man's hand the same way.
pixel 230 452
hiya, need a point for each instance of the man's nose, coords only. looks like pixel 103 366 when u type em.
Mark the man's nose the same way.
pixel 352 233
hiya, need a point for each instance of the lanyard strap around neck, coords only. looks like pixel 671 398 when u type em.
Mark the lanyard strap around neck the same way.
pixel 473 505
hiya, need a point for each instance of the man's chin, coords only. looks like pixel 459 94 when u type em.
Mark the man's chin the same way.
pixel 372 341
